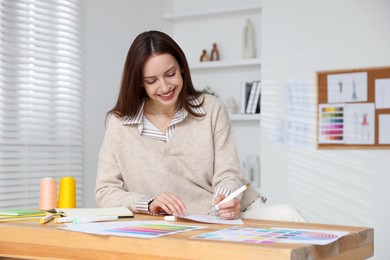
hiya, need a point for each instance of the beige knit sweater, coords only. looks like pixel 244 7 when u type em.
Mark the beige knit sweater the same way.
pixel 200 157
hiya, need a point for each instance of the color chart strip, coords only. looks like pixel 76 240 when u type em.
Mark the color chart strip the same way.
pixel 331 123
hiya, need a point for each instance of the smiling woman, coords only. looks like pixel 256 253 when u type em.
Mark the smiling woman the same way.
pixel 168 148
pixel 40 97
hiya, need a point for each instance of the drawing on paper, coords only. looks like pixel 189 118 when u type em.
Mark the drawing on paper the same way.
pixel 360 123
pixel 347 87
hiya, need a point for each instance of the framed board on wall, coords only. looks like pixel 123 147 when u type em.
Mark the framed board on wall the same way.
pixel 353 108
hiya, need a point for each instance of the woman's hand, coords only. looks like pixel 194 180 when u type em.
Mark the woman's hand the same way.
pixel 228 210
pixel 168 203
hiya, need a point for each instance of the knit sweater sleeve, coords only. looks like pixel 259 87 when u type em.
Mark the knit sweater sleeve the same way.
pixel 110 189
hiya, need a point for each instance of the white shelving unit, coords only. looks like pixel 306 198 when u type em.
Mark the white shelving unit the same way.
pixel 185 15
pixel 244 117
pixel 225 64
pixel 196 26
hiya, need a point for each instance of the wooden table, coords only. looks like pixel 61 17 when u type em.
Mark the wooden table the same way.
pixel 30 240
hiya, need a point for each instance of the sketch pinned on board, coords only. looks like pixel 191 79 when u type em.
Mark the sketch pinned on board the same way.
pixel 360 123
pixel 347 87
pixel 382 93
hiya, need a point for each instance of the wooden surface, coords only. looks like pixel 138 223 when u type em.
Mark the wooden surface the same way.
pixel 30 240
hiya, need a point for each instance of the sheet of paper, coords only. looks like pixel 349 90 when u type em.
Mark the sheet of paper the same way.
pixel 113 211
pixel 140 229
pixel 347 87
pixel 211 219
pixel 331 123
pixel 359 123
pixel 382 93
pixel 273 235
pixel 384 129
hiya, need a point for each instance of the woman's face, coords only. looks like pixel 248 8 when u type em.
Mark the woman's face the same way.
pixel 162 80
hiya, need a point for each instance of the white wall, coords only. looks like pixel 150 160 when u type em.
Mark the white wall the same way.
pixel 109 29
pixel 329 186
pixel 298 38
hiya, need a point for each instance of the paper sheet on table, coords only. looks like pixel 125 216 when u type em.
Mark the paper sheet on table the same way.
pixel 140 229
pixel 257 235
pixel 211 219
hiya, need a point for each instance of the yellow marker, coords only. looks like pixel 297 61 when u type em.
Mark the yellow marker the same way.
pixel 46 218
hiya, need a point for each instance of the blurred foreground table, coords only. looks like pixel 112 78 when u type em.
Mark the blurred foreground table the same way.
pixel 31 240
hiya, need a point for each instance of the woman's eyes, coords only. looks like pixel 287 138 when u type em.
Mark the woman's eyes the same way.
pixel 150 82
pixel 171 74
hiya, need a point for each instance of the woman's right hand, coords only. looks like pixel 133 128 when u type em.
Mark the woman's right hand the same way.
pixel 168 203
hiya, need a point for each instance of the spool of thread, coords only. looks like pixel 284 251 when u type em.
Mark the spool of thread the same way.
pixel 47 194
pixel 67 194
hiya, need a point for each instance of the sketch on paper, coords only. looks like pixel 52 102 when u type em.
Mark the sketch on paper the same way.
pixel 347 87
pixel 331 124
pixel 360 123
pixel 382 93
pixel 296 93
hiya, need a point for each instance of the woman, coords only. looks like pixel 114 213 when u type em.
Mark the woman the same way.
pixel 168 148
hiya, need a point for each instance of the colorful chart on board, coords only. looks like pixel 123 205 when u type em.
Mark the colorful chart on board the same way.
pixel 331 124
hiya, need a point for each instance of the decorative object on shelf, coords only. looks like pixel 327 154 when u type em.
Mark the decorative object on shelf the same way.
pixel 250 93
pixel 208 90
pixel 252 170
pixel 231 106
pixel 214 53
pixel 204 56
pixel 248 40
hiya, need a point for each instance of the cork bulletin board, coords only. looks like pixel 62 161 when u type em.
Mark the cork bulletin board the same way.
pixel 353 110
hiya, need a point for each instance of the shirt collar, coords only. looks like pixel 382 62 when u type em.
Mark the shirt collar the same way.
pixel 137 118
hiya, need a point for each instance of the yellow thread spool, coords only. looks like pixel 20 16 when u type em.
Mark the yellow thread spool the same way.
pixel 47 194
pixel 67 194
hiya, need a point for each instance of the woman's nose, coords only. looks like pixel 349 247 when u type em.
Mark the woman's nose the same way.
pixel 165 86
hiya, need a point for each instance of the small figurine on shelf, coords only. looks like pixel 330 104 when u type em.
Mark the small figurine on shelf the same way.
pixel 204 56
pixel 214 53
pixel 231 106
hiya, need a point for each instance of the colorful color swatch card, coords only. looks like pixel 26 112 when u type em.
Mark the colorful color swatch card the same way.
pixel 331 123
pixel 273 235
pixel 140 229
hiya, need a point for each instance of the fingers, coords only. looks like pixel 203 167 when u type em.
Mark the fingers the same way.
pixel 219 198
pixel 169 203
pixel 230 210
pixel 228 214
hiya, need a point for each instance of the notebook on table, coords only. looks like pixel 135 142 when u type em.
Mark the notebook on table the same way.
pixel 121 212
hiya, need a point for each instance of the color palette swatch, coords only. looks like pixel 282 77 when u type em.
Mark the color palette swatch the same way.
pixel 150 230
pixel 140 229
pixel 331 123
pixel 273 235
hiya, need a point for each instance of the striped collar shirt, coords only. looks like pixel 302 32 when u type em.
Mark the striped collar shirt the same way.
pixel 148 129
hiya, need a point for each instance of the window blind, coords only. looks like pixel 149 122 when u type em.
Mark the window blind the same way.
pixel 40 97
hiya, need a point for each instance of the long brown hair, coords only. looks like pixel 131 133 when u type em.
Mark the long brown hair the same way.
pixel 131 93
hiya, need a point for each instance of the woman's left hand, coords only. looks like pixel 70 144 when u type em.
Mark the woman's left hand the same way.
pixel 228 210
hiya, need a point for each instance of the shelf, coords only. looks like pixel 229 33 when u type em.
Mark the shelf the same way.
pixel 186 15
pixel 244 117
pixel 225 64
